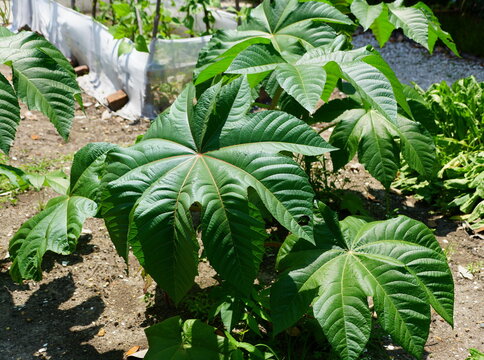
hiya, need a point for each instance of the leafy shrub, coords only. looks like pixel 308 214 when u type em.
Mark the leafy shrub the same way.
pixel 260 49
pixel 135 20
pixel 455 116
pixel 397 262
pixel 475 355
pixel 210 164
pixel 42 78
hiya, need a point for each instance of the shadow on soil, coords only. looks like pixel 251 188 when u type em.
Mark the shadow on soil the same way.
pixel 419 211
pixel 83 248
pixel 23 328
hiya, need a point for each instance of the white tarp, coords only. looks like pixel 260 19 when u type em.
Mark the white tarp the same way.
pixel 140 75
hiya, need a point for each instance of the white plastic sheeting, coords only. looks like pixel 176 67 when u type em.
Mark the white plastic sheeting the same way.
pixel 150 80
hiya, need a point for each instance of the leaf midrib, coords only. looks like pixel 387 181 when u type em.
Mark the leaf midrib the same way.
pixel 395 309
pixel 52 114
pixel 308 237
pixel 214 182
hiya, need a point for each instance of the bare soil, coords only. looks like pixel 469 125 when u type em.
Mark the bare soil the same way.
pixel 87 307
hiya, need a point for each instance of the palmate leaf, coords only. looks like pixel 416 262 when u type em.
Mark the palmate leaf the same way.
pixel 316 73
pixel 288 25
pixel 366 71
pixel 417 22
pixel 56 229
pixel 397 262
pixel 208 154
pixel 58 226
pixel 371 135
pixel 42 78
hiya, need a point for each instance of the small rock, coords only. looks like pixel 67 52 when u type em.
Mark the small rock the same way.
pixel 65 263
pixel 465 273
pixel 86 232
pixel 106 115
pixel 87 104
pixel 101 332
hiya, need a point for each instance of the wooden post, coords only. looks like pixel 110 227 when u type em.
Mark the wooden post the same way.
pixel 73 4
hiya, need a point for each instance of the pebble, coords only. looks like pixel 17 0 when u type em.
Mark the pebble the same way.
pixel 465 273
pixel 106 115
pixel 85 232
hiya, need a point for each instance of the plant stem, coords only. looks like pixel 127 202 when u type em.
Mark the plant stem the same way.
pixel 206 17
pixel 261 105
pixel 113 14
pixel 138 18
pixel 275 99
pixel 329 126
pixel 157 20
pixel 387 202
pixel 325 172
pixel 94 8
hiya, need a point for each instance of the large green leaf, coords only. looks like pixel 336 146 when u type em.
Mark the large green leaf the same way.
pixel 43 79
pixel 367 72
pixel 398 263
pixel 366 14
pixel 288 26
pixel 208 154
pixel 371 135
pixel 16 177
pixel 411 20
pixel 417 22
pixel 303 83
pixel 87 168
pixel 435 30
pixel 58 226
pixel 175 339
pixel 56 229
pixel 9 114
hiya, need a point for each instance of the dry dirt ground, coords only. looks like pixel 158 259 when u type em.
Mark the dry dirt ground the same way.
pixel 88 308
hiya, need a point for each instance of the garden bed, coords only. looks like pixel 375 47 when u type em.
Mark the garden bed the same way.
pixel 74 280
pixel 87 307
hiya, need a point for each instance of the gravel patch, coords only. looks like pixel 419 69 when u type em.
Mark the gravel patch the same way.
pixel 413 63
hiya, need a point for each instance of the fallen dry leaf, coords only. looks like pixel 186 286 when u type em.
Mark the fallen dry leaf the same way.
pixel 132 351
pixel 35 137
